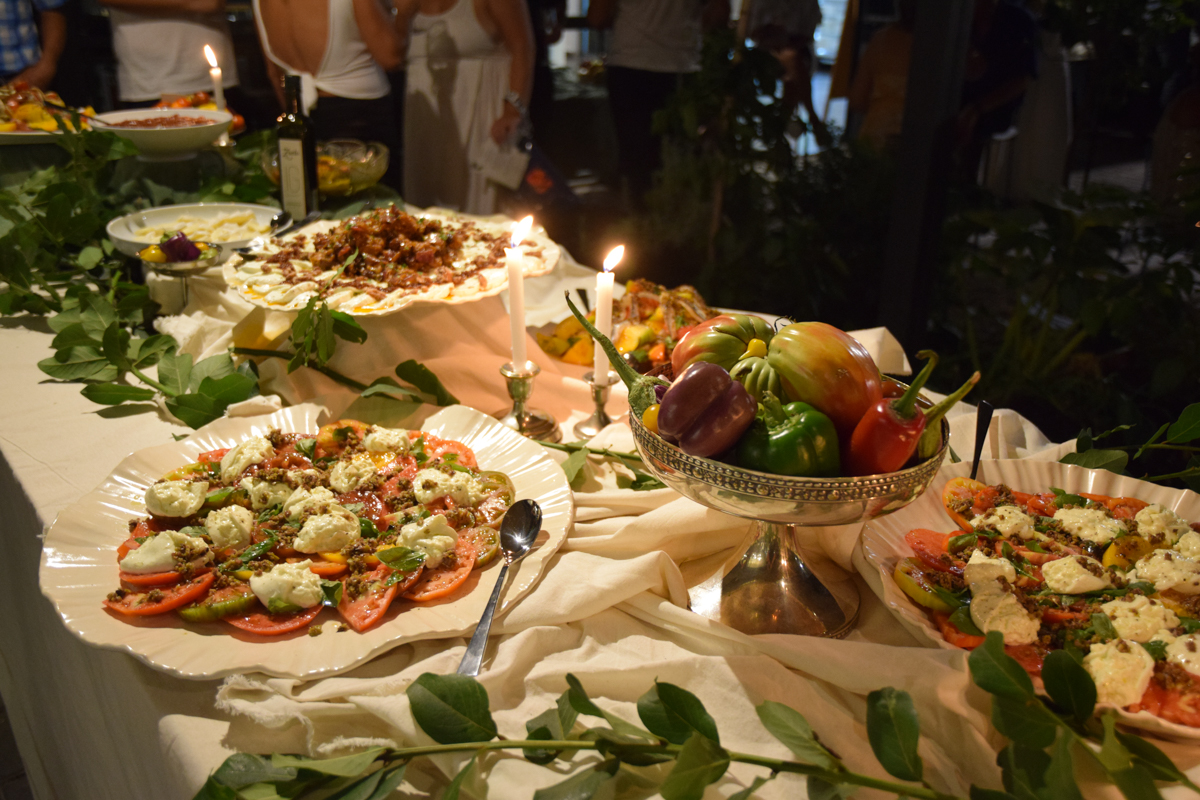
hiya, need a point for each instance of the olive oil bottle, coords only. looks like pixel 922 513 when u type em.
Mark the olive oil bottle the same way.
pixel 297 154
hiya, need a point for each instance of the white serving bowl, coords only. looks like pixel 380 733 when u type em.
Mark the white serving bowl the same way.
pixel 122 229
pixel 169 142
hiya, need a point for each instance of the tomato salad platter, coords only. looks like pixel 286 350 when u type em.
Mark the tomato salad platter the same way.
pixel 279 545
pixel 1056 557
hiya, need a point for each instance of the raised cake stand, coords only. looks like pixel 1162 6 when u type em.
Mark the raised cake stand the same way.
pixel 769 587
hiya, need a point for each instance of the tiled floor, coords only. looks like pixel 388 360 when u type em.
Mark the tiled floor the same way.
pixel 13 785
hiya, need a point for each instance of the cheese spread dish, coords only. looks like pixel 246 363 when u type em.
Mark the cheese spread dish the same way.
pixel 383 260
pixel 264 535
pixel 234 227
pixel 1115 578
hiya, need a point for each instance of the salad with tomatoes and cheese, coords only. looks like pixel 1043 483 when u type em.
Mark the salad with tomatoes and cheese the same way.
pixel 1114 579
pixel 266 534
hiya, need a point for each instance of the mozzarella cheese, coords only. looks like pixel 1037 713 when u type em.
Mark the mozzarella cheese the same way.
pixel 1070 575
pixel 328 532
pixel 1159 525
pixel 430 484
pixel 346 476
pixel 294 584
pixel 1090 524
pixel 176 498
pixel 387 440
pixel 1138 618
pixel 1185 651
pixel 1121 671
pixel 1008 521
pixel 1169 570
pixel 252 451
pixel 998 610
pixel 264 494
pixel 981 569
pixel 1189 545
pixel 433 536
pixel 159 553
pixel 304 500
pixel 229 527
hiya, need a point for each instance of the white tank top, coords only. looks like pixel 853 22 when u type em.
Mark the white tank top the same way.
pixel 347 68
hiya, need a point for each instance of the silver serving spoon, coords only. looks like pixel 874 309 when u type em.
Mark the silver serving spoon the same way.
pixel 521 525
pixel 279 226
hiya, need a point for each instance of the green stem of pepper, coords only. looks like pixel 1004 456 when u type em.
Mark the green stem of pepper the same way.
pixel 931 439
pixel 641 387
pixel 905 407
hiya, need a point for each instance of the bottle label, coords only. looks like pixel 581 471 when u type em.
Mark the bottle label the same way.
pixel 293 192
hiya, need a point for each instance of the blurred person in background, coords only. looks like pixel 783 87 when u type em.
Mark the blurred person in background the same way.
pixel 159 45
pixel 786 29
pixel 546 17
pixel 881 81
pixel 653 46
pixel 23 54
pixel 341 50
pixel 469 86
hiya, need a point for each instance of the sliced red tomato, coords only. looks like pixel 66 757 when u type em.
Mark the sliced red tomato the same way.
pixel 959 489
pixel 1043 504
pixel 372 507
pixel 1172 705
pixel 443 579
pixel 442 447
pixel 1029 656
pixel 1119 507
pixel 327 569
pixel 265 623
pixel 144 528
pixel 1054 615
pixel 212 456
pixel 368 608
pixel 953 635
pixel 933 549
pixel 139 604
pixel 1032 556
pixel 150 579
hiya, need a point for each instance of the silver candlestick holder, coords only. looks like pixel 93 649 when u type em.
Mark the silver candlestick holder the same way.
pixel 530 422
pixel 599 420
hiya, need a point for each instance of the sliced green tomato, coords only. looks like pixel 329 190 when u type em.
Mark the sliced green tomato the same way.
pixel 485 541
pixel 220 603
pixel 910 577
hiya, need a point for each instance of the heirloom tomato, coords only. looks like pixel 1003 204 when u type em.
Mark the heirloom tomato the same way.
pixel 828 369
pixel 737 342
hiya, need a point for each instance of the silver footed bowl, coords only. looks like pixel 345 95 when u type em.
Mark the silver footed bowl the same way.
pixel 777 498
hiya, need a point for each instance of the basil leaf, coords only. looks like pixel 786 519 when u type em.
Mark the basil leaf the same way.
pixel 952 599
pixel 962 541
pixel 401 559
pixel 367 529
pixel 418 450
pixel 254 551
pixel 278 606
pixel 267 513
pixel 1062 499
pixel 1034 546
pixel 961 619
pixel 1188 624
pixel 193 530
pixel 332 591
pixel 218 495
pixel 306 447
pixel 1156 649
pixel 1104 626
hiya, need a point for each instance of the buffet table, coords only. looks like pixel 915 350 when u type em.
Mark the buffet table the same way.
pixel 611 607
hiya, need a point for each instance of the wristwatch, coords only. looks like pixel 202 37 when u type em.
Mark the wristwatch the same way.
pixel 514 99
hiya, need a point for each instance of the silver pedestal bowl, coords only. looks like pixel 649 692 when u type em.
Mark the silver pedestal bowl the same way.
pixel 769 587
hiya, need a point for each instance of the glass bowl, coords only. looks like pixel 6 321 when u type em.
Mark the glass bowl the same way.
pixel 344 166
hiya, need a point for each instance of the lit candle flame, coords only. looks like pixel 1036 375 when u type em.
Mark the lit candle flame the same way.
pixel 614 257
pixel 211 56
pixel 521 230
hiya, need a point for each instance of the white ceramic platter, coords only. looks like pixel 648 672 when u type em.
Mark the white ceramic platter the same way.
pixel 123 230
pixel 169 142
pixel 883 542
pixel 27 137
pixel 79 565
pixel 542 255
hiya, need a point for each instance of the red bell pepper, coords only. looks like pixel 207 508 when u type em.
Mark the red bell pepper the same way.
pixel 887 435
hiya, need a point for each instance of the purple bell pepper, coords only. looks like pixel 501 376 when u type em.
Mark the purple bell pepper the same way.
pixel 705 410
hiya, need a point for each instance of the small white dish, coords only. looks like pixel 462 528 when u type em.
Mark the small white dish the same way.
pixel 123 230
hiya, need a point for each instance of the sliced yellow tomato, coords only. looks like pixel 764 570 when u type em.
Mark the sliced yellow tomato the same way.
pixel 1126 551
pixel 338 558
pixel 910 577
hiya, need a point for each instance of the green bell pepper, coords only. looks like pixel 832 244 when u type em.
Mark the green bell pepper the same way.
pixel 795 439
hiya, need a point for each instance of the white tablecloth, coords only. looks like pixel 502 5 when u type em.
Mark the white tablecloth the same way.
pixel 610 609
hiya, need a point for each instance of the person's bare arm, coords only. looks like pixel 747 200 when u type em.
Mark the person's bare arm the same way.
pixel 405 11
pixel 379 34
pixel 516 31
pixel 54 39
pixel 601 13
pixel 167 8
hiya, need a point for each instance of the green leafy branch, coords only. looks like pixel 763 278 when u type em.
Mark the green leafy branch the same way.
pixel 577 468
pixel 1171 436
pixel 454 711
